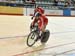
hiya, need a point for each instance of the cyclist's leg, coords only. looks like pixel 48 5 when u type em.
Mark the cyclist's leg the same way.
pixel 43 30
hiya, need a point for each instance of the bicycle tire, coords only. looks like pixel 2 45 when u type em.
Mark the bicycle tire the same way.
pixel 30 36
pixel 45 37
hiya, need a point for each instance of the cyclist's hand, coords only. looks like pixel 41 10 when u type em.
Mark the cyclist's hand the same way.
pixel 31 18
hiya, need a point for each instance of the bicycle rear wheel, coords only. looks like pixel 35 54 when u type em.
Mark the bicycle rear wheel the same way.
pixel 45 36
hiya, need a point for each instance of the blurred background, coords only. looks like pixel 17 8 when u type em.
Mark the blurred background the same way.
pixel 47 4
pixel 65 5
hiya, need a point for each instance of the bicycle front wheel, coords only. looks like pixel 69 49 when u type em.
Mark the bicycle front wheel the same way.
pixel 31 39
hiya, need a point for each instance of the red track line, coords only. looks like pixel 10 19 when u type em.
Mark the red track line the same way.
pixel 43 49
pixel 11 14
pixel 29 52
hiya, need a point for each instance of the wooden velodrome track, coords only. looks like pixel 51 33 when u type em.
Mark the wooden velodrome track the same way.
pixel 14 30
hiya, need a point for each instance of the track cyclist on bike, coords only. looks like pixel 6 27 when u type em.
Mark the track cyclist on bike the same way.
pixel 40 18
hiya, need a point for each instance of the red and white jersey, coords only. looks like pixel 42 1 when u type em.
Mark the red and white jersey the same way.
pixel 41 21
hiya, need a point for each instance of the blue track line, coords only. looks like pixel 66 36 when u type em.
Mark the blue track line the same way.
pixel 13 37
pixel 27 35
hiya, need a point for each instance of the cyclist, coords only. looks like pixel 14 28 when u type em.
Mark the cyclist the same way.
pixel 40 18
